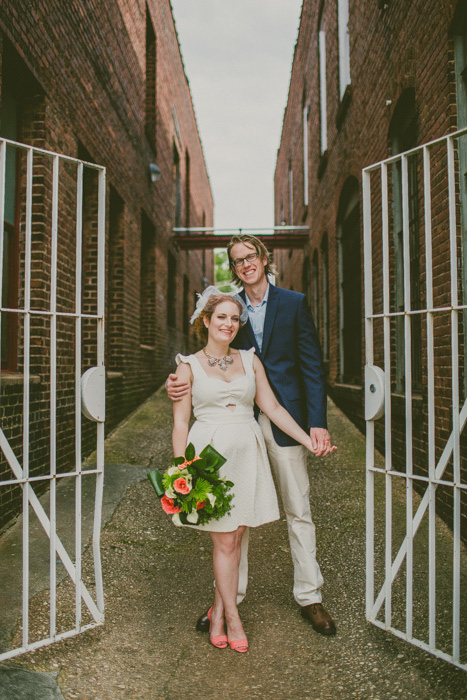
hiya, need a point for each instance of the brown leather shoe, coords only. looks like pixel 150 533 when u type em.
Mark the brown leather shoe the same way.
pixel 319 618
pixel 202 623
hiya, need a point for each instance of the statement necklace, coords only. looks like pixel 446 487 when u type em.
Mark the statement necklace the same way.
pixel 223 362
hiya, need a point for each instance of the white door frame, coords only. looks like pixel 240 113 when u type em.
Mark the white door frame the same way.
pixel 89 397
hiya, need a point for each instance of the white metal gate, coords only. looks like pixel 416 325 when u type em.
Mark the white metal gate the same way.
pixel 415 377
pixel 49 321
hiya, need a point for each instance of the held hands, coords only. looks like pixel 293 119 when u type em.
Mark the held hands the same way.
pixel 321 442
pixel 176 388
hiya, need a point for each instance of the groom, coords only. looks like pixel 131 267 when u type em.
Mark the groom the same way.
pixel 281 329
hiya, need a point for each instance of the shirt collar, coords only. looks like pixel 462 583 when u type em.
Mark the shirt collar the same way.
pixel 261 303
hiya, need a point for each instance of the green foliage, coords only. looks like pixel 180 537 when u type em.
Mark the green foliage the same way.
pixel 204 481
pixel 222 271
pixel 201 490
pixel 190 452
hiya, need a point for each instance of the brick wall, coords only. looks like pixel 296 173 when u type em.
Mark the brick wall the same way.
pixel 397 50
pixel 78 74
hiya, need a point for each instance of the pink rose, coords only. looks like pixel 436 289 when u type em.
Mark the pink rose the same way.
pixel 180 485
pixel 168 506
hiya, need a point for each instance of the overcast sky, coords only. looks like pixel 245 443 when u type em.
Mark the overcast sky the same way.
pixel 238 57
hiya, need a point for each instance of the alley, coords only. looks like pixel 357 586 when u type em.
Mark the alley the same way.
pixel 158 579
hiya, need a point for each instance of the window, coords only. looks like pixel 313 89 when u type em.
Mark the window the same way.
pixel 151 81
pixel 177 187
pixel 171 290
pixel 22 117
pixel 323 130
pixel 325 296
pixel 305 117
pixel 9 129
pixel 315 276
pixel 344 46
pixel 403 136
pixel 148 282
pixel 350 284
pixel 187 189
pixel 460 62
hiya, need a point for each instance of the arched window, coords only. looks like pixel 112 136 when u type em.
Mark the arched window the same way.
pixel 403 136
pixel 350 284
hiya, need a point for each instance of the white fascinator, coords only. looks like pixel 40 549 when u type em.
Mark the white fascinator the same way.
pixel 209 292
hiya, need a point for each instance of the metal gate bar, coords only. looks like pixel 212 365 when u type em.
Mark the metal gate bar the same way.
pixel 452 447
pixel 21 472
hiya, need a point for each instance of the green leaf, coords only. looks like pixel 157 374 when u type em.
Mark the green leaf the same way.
pixel 214 459
pixel 199 464
pixel 190 452
pixel 177 460
pixel 156 479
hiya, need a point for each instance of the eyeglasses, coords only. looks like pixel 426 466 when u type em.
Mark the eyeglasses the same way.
pixel 239 262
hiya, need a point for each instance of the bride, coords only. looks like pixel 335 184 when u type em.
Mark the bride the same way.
pixel 225 383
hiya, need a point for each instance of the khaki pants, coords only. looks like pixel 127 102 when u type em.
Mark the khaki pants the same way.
pixel 288 465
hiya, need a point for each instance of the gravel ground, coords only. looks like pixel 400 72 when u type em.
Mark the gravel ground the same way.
pixel 158 580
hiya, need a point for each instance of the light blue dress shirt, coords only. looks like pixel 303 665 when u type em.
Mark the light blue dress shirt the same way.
pixel 257 314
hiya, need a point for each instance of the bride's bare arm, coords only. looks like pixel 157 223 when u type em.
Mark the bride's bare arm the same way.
pixel 182 412
pixel 269 405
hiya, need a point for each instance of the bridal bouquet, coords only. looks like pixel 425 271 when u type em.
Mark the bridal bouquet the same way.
pixel 191 491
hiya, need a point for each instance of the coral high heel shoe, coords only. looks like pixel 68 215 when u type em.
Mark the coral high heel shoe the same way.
pixel 240 645
pixel 220 640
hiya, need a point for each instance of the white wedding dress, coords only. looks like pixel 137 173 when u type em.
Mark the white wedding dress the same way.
pixel 234 433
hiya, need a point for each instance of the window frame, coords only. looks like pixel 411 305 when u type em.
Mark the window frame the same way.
pixel 323 126
pixel 344 46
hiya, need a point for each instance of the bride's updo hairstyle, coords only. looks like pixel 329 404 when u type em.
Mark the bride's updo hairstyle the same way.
pixel 213 301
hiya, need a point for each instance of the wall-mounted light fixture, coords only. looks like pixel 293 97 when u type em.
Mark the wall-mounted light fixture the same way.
pixel 154 172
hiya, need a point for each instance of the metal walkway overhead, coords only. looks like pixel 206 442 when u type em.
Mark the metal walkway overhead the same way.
pixel 277 237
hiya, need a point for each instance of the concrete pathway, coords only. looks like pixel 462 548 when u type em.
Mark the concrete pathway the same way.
pixel 158 579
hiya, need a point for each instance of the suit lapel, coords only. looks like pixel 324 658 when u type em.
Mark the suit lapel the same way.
pixel 248 330
pixel 271 311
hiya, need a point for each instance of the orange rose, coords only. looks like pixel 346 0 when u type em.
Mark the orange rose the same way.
pixel 168 506
pixel 180 485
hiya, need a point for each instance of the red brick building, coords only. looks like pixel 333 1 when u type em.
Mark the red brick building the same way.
pixel 104 83
pixel 369 81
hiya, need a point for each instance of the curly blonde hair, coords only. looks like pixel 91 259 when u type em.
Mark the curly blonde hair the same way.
pixel 213 301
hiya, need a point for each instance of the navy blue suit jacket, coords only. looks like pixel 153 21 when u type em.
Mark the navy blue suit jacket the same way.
pixel 291 356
